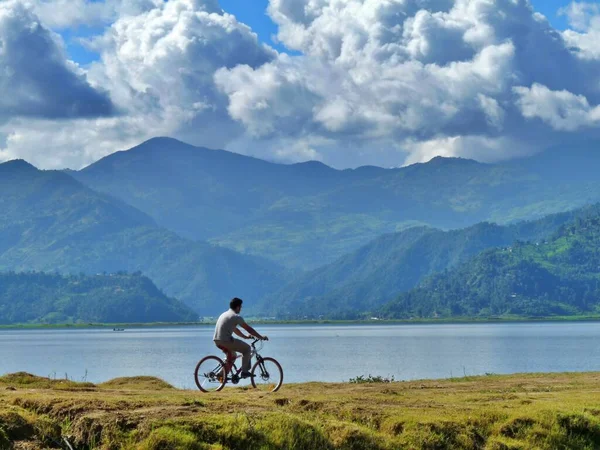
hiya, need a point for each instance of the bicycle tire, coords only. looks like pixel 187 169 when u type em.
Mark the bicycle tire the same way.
pixel 263 381
pixel 217 382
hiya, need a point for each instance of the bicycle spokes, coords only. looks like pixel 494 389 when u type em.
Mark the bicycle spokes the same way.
pixel 215 374
pixel 267 375
pixel 213 378
pixel 210 375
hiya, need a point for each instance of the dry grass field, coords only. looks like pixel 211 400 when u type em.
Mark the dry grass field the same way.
pixel 534 411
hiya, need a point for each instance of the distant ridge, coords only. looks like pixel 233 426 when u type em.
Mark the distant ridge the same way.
pixel 164 146
pixel 164 143
pixel 17 164
pixel 308 214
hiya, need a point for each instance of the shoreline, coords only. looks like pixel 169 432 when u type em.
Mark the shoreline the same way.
pixel 445 321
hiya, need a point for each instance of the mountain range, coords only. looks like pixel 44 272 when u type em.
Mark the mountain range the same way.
pixel 305 215
pixel 295 240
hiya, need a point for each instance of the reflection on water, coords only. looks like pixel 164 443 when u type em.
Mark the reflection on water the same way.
pixel 311 352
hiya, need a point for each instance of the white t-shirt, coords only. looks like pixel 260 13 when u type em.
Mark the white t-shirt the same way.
pixel 226 323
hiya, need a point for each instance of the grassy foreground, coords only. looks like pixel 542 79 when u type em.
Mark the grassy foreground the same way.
pixel 549 411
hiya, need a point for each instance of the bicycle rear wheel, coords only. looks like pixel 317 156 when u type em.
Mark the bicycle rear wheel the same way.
pixel 267 375
pixel 210 374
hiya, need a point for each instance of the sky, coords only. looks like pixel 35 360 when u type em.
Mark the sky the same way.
pixel 346 82
pixel 255 15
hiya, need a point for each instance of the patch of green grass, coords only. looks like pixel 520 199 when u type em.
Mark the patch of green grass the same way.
pixel 541 411
pixel 48 431
pixel 140 382
pixel 171 438
pixel 24 379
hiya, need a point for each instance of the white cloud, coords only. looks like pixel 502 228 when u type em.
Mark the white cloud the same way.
pixel 494 113
pixel 585 19
pixel 581 15
pixel 56 145
pixel 375 81
pixel 63 14
pixel 562 110
pixel 410 72
pixel 36 80
pixel 162 62
pixel 158 67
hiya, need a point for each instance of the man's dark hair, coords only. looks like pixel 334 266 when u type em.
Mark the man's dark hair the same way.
pixel 236 302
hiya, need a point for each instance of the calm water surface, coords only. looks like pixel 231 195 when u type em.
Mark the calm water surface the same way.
pixel 311 352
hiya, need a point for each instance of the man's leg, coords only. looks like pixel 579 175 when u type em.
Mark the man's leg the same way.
pixel 229 354
pixel 239 346
pixel 246 351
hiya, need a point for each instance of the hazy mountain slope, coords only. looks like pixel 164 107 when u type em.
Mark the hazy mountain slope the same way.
pixel 201 193
pixel 559 276
pixel 118 298
pixel 34 201
pixel 445 193
pixel 306 215
pixel 48 222
pixel 370 276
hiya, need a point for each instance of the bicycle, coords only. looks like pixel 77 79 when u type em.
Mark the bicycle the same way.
pixel 212 373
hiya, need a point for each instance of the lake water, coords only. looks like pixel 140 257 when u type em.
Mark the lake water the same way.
pixel 311 352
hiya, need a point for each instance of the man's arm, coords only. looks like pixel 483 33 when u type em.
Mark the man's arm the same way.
pixel 240 334
pixel 253 332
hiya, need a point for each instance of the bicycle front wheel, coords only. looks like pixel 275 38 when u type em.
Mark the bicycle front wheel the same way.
pixel 267 375
pixel 210 374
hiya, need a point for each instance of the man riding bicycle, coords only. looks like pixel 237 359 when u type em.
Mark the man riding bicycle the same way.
pixel 226 326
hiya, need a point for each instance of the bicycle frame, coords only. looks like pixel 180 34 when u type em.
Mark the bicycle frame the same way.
pixel 265 372
pixel 233 376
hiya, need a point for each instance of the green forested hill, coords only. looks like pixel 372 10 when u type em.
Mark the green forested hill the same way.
pixel 307 215
pixel 558 276
pixel 249 205
pixel 40 298
pixel 34 202
pixel 50 222
pixel 393 263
